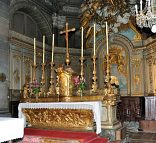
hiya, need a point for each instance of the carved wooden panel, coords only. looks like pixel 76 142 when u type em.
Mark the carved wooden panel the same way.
pixel 131 108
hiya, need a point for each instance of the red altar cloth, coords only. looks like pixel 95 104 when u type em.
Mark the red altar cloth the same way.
pixel 82 137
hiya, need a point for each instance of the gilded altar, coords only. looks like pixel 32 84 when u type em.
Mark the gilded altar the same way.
pixel 72 119
pixel 81 116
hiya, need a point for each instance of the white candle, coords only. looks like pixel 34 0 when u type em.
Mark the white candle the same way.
pixel 43 49
pixel 82 42
pixel 149 3
pixel 34 51
pixel 107 37
pixel 141 6
pixel 136 9
pixel 52 52
pixel 94 40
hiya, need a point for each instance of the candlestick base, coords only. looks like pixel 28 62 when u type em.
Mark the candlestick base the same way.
pixel 42 87
pixel 34 72
pixel 42 91
pixel 52 88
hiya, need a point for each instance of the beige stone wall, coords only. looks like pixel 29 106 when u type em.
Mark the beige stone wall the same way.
pixel 21 58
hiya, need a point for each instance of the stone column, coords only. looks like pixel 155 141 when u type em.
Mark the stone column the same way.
pixel 109 123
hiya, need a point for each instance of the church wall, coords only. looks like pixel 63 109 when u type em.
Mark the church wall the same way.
pixel 4 53
pixel 21 54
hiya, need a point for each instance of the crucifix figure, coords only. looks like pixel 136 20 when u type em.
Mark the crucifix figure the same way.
pixel 66 31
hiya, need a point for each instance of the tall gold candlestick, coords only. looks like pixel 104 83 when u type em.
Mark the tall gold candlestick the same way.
pixel 94 40
pixel 34 51
pixel 82 42
pixel 81 60
pixel 42 86
pixel 34 73
pixel 52 54
pixel 34 66
pixel 94 84
pixel 107 38
pixel 52 90
pixel 43 49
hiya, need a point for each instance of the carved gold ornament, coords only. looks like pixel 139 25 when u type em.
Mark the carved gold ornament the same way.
pixel 80 119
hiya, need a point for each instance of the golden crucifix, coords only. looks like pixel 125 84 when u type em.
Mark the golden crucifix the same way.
pixel 66 31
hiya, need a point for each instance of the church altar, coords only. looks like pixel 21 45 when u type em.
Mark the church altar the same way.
pixel 9 130
pixel 67 103
pixel 73 111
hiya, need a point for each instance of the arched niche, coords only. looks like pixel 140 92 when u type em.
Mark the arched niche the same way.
pixel 36 14
pixel 120 52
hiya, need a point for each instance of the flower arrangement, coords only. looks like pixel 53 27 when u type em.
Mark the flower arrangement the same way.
pixel 79 83
pixel 34 87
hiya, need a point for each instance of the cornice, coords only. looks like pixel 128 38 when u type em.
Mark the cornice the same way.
pixel 23 41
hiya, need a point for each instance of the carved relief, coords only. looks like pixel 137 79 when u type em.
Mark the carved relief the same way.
pixel 136 76
pixel 16 72
pixel 27 65
pixel 60 118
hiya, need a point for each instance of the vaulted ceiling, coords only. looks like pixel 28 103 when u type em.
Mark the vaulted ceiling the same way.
pixel 61 7
pixel 73 8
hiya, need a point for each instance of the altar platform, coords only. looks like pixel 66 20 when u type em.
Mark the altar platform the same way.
pixel 60 136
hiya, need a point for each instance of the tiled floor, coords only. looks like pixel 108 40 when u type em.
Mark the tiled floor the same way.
pixel 142 137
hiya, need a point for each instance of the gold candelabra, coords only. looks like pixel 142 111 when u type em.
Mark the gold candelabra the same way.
pixel 107 79
pixel 34 72
pixel 82 73
pixel 109 94
pixel 82 69
pixel 52 90
pixel 94 83
pixel 42 87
